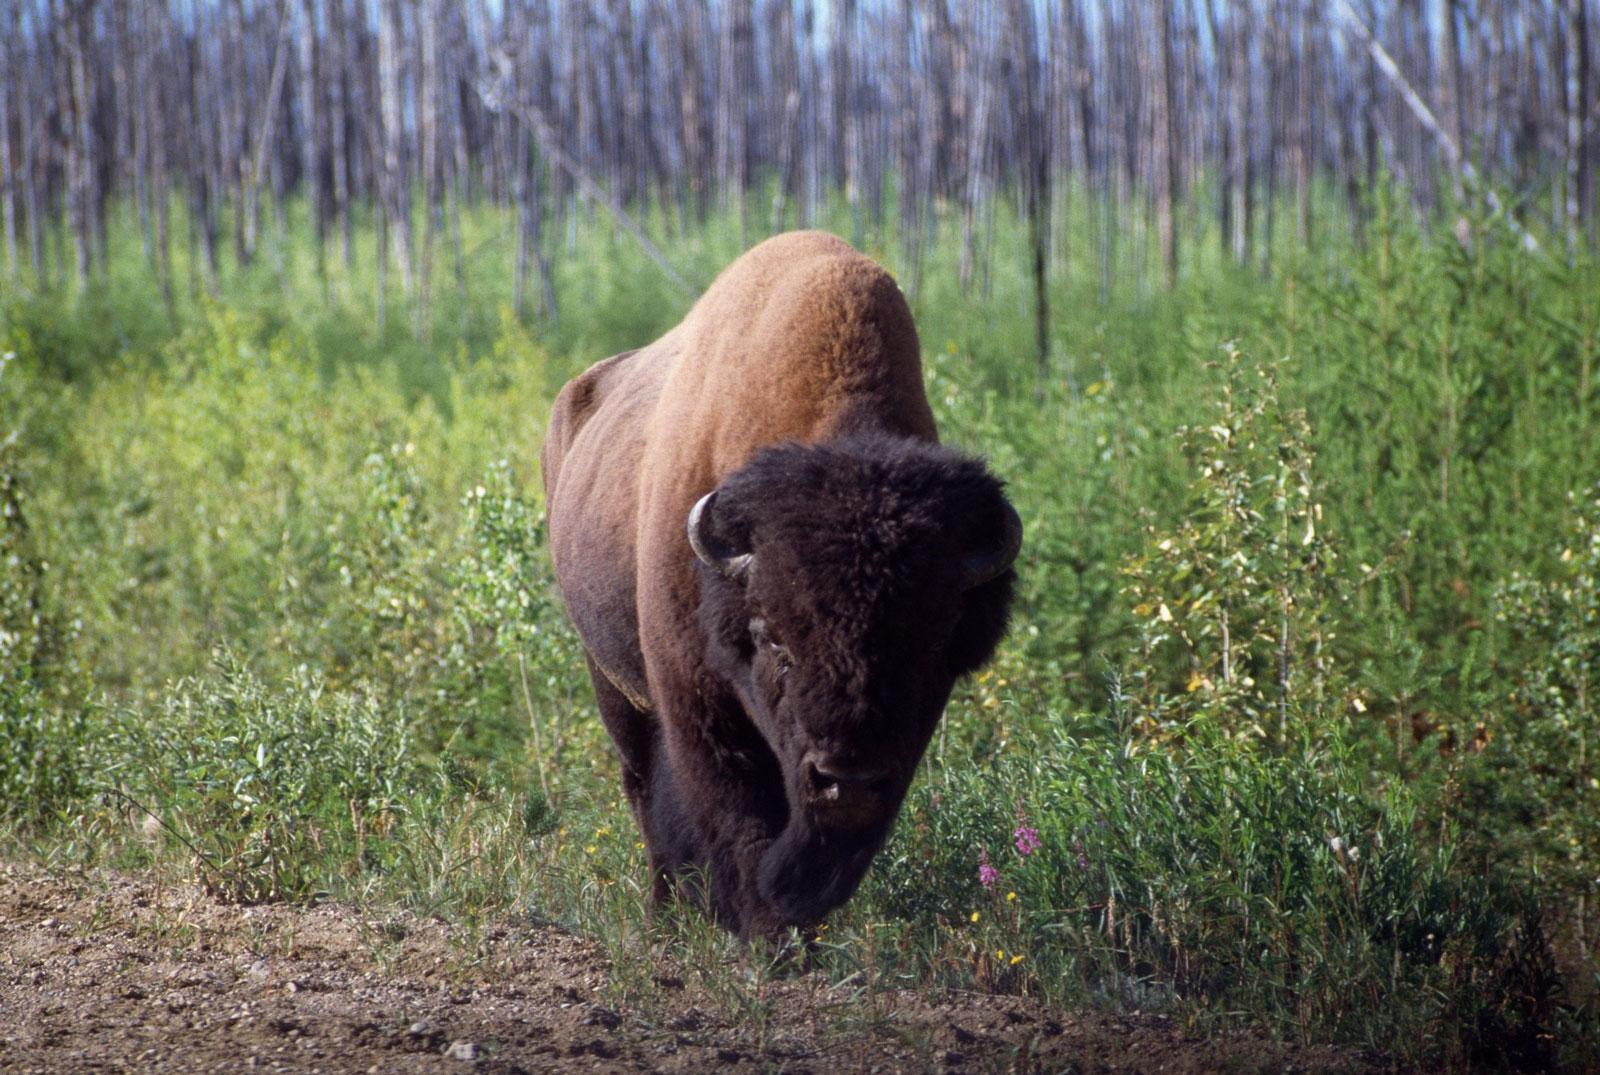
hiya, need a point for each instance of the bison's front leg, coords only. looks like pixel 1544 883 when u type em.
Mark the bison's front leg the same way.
pixel 716 807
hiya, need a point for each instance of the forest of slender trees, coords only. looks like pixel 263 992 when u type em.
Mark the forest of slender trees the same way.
pixel 1234 112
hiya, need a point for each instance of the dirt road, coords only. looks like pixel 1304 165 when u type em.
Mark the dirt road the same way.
pixel 112 974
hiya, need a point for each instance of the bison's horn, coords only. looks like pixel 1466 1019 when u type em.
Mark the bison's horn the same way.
pixel 980 567
pixel 714 552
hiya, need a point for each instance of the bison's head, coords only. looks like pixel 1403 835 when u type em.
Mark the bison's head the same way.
pixel 846 586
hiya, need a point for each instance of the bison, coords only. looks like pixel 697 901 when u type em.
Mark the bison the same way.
pixel 777 573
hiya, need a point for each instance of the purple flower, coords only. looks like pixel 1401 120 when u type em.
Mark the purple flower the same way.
pixel 987 874
pixel 1027 839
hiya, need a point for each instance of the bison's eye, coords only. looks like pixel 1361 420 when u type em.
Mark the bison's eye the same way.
pixel 775 649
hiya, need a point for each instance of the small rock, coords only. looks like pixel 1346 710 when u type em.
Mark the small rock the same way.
pixel 461 1050
pixel 419 1029
pixel 603 1017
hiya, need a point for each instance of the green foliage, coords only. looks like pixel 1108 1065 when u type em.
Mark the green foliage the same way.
pixel 1237 606
pixel 1543 750
pixel 1214 879
pixel 505 582
pixel 272 789
pixel 43 715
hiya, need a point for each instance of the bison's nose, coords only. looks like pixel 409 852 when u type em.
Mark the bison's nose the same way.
pixel 844 794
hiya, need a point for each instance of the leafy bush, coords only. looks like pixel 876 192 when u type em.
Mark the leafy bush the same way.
pixel 1095 866
pixel 274 791
pixel 1238 606
pixel 43 713
pixel 1541 758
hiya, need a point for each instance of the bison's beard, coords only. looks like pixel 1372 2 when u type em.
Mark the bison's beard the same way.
pixel 808 870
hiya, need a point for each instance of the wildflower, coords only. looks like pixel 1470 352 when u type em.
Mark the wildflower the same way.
pixel 976 916
pixel 1011 897
pixel 1027 839
pixel 1016 959
pixel 987 874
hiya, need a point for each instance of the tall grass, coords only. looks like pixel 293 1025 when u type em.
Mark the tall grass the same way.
pixel 1295 706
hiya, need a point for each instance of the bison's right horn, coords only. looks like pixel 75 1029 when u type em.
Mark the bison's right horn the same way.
pixel 713 551
pixel 979 568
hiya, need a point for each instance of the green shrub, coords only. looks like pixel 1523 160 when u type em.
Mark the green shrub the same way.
pixel 44 713
pixel 1095 866
pixel 1541 750
pixel 275 791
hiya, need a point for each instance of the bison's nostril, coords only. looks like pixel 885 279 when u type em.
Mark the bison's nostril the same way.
pixel 842 786
pixel 824 784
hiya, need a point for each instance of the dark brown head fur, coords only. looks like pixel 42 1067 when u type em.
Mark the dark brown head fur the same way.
pixel 845 630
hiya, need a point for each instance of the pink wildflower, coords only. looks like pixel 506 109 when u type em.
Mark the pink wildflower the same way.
pixel 987 874
pixel 1027 839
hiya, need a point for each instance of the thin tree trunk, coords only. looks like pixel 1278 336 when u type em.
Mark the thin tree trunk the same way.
pixel 1169 177
pixel 32 199
pixel 1576 87
pixel 153 117
pixel 396 185
pixel 428 120
pixel 253 169
pixel 80 145
pixel 8 172
pixel 338 149
pixel 310 141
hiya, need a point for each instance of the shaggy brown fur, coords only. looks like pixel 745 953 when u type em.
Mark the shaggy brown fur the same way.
pixel 769 709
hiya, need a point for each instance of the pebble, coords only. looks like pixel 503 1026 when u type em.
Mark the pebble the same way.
pixel 461 1050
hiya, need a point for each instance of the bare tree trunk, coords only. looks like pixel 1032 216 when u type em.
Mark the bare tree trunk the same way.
pixel 1576 88
pixel 1169 177
pixel 396 182
pixel 1239 125
pixel 338 120
pixel 254 168
pixel 8 171
pixel 977 61
pixel 153 117
pixel 32 201
pixel 310 140
pixel 74 27
pixel 205 181
pixel 428 120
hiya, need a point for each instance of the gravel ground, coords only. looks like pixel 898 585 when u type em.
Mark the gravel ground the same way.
pixel 109 973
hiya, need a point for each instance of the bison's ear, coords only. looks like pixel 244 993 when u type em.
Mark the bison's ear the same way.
pixel 713 544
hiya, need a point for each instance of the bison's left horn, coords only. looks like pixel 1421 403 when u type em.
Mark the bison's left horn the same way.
pixel 712 550
pixel 980 567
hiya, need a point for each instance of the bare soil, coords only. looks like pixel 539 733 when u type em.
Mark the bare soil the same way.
pixel 108 973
